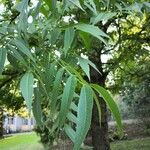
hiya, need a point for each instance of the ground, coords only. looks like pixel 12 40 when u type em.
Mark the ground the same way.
pixel 21 142
pixel 136 144
pixel 30 142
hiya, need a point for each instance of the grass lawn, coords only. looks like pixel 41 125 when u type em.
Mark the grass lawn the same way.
pixel 137 144
pixel 30 142
pixel 21 142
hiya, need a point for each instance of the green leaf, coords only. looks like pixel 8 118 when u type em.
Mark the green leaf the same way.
pixel 98 107
pixel 84 63
pixel 69 36
pixel 70 132
pixel 37 110
pixel 74 107
pixel 54 36
pixel 91 5
pixel 73 71
pixel 17 55
pixel 84 115
pixel 86 39
pixel 44 11
pixel 12 60
pixel 23 48
pixel 37 10
pixel 49 75
pixel 2 58
pixel 85 66
pixel 110 102
pixel 93 30
pixel 72 117
pixel 55 90
pixel 51 4
pixel 104 16
pixel 67 97
pixel 147 4
pixel 26 86
pixel 77 3
pixel 22 8
pixel 92 65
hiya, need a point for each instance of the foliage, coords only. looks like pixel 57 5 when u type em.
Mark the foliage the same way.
pixel 10 97
pixel 47 49
pixel 135 86
pixel 42 66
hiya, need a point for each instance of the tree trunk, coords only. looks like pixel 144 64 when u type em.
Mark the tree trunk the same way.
pixel 100 139
pixel 1 122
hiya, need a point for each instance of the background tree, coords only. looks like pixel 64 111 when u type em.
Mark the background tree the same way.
pixel 10 97
pixel 135 91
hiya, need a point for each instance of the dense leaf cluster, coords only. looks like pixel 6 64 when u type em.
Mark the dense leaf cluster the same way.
pixel 45 41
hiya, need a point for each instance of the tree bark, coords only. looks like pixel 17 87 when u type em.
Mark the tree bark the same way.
pixel 1 122
pixel 100 138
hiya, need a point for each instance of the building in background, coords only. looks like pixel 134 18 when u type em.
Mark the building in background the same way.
pixel 18 124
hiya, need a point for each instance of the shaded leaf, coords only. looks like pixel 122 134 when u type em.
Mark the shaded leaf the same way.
pixel 56 86
pixel 69 36
pixel 86 39
pixel 72 117
pixel 84 63
pixel 26 86
pixel 91 5
pixel 74 107
pixel 2 58
pixel 23 48
pixel 84 115
pixel 110 102
pixel 98 107
pixel 37 110
pixel 93 30
pixel 70 132
pixel 85 66
pixel 67 97
pixel 17 55
pixel 23 17
pixel 51 4
pixel 77 3
pixel 104 16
